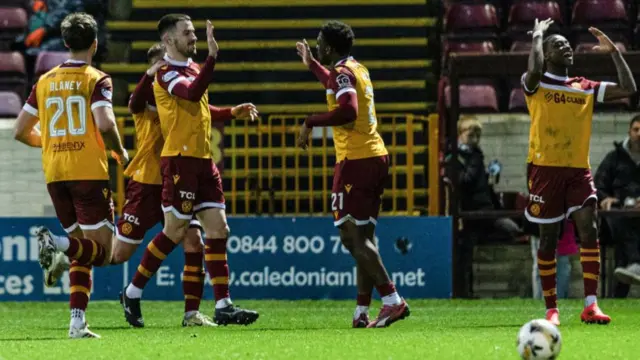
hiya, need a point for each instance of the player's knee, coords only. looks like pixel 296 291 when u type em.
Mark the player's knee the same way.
pixel 176 231
pixel 218 232
pixel 193 241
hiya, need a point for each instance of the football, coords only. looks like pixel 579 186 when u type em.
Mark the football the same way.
pixel 539 340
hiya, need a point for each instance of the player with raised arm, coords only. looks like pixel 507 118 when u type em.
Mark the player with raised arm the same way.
pixel 559 176
pixel 143 206
pixel 191 182
pixel 72 102
pixel 362 165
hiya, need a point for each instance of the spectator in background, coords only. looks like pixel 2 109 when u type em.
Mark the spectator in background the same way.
pixel 567 246
pixel 475 186
pixel 618 183
pixel 43 31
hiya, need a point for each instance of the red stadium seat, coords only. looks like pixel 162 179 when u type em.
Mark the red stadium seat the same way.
pixel 13 73
pixel 13 21
pixel 521 46
pixel 523 14
pixel 47 60
pixel 517 101
pixel 598 12
pixel 10 104
pixel 480 47
pixel 588 47
pixel 471 17
pixel 479 98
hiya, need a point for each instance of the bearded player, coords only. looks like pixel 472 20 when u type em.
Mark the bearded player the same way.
pixel 72 102
pixel 191 182
pixel 143 209
pixel 362 165
pixel 559 177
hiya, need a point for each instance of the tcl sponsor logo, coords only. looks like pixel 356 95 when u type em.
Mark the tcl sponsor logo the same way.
pixel 187 195
pixel 536 198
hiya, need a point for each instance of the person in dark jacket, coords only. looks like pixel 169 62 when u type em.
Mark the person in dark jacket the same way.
pixel 618 183
pixel 475 186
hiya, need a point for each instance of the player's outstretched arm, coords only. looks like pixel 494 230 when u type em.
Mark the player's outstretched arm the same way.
pixel 536 56
pixel 25 130
pixel 144 89
pixel 346 112
pixel 626 83
pixel 193 91
pixel 304 51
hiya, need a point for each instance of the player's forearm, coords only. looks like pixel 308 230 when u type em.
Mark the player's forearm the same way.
pixel 196 89
pixel 220 114
pixel 345 113
pixel 625 76
pixel 321 72
pixel 143 90
pixel 536 57
pixel 32 139
pixel 338 117
pixel 112 140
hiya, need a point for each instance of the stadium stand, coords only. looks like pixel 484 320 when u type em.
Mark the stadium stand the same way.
pixel 469 24
pixel 258 63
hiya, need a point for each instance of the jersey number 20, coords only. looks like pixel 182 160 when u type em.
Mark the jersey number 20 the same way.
pixel 62 105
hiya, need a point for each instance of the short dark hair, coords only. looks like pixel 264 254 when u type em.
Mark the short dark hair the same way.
pixel 634 120
pixel 169 21
pixel 339 36
pixel 155 50
pixel 79 31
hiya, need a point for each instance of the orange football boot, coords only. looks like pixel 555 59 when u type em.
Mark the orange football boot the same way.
pixel 593 315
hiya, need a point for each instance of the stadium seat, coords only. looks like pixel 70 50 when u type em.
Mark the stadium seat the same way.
pixel 47 60
pixel 523 14
pixel 471 18
pixel 599 13
pixel 12 73
pixel 10 104
pixel 481 47
pixel 588 47
pixel 479 98
pixel 520 46
pixel 13 21
pixel 517 101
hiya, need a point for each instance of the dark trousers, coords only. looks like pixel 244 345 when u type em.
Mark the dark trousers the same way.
pixel 625 233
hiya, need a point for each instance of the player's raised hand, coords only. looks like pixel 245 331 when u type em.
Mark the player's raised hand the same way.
pixel 304 51
pixel 155 67
pixel 211 41
pixel 605 44
pixel 541 26
pixel 246 111
pixel 303 137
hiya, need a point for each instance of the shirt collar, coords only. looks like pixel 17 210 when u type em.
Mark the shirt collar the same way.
pixel 344 60
pixel 176 62
pixel 72 61
pixel 556 77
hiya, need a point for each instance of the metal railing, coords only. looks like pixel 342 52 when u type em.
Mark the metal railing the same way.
pixel 265 173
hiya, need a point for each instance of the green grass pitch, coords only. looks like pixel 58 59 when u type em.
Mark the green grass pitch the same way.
pixel 436 329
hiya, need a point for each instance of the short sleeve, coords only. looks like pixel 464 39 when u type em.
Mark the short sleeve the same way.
pixel 31 106
pixel 341 81
pixel 526 90
pixel 168 77
pixel 600 88
pixel 102 94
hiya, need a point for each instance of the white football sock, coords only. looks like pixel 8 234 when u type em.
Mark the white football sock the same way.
pixel 223 303
pixel 133 292
pixel 391 299
pixel 590 300
pixel 62 242
pixel 191 313
pixel 77 319
pixel 360 310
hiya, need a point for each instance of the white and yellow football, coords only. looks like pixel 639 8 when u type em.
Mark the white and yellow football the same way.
pixel 539 340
